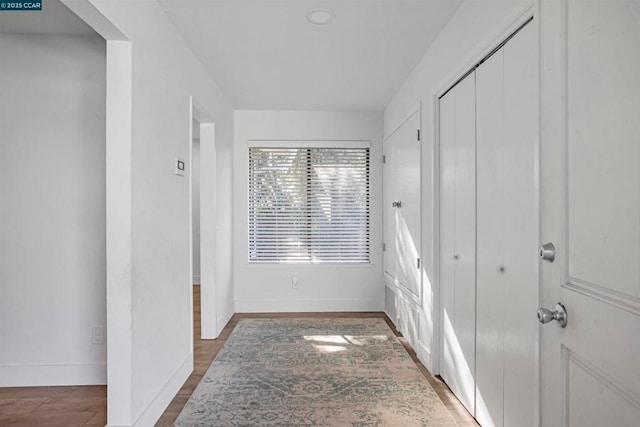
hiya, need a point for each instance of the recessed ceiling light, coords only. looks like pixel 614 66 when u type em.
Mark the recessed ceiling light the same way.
pixel 320 16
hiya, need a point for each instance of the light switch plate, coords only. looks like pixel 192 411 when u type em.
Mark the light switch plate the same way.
pixel 98 335
pixel 180 166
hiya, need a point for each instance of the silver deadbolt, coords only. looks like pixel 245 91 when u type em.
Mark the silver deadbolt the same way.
pixel 397 204
pixel 559 314
pixel 548 252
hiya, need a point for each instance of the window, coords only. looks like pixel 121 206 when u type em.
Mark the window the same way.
pixel 309 204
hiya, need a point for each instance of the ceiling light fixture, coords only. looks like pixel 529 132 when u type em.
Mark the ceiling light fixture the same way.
pixel 320 16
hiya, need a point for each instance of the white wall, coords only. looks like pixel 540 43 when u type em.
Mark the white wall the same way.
pixel 52 209
pixel 164 74
pixel 473 25
pixel 268 288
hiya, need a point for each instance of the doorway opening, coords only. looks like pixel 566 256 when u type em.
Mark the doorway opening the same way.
pixel 53 273
pixel 203 218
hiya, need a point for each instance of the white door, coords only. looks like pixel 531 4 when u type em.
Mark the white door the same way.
pixel 507 233
pixel 402 205
pixel 590 201
pixel 458 239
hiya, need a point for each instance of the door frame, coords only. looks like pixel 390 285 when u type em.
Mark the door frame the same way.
pixel 529 10
pixel 118 125
pixel 208 221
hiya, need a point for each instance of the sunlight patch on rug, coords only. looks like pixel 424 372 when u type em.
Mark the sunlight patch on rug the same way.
pixel 313 372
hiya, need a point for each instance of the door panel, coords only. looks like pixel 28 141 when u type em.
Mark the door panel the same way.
pixel 450 349
pixel 593 67
pixel 465 231
pixel 595 338
pixel 520 201
pixel 402 224
pixel 603 137
pixel 457 237
pixel 507 233
pixel 614 408
pixel 604 147
pixel 491 241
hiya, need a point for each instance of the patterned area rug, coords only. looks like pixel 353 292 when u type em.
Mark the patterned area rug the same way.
pixel 313 372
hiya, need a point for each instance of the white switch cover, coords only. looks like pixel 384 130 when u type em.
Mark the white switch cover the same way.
pixel 98 335
pixel 180 166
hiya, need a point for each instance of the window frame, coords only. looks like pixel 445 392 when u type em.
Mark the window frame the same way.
pixel 305 144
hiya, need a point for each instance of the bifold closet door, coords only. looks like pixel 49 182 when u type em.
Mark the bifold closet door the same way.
pixel 507 234
pixel 457 238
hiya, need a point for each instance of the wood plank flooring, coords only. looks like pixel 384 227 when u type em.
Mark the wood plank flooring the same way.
pixel 53 406
pixel 87 405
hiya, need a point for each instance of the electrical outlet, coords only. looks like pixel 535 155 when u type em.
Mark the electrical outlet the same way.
pixel 97 335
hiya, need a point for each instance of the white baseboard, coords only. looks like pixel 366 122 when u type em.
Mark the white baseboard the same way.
pixel 152 413
pixel 311 305
pixel 196 279
pixel 31 375
pixel 390 316
pixel 424 355
pixel 222 321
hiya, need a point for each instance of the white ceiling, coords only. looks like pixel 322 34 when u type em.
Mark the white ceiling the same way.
pixel 55 18
pixel 265 55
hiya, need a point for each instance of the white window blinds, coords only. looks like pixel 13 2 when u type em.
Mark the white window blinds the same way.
pixel 309 205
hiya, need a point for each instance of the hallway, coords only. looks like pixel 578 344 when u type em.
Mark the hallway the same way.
pixel 86 406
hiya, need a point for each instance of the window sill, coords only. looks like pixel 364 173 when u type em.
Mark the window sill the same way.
pixel 303 265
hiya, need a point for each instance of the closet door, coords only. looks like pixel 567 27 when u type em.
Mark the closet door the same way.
pixel 507 234
pixel 457 239
pixel 402 206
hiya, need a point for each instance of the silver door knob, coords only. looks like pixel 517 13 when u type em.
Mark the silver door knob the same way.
pixel 559 314
pixel 547 252
pixel 397 204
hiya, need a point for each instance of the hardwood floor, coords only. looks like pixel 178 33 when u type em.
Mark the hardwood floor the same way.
pixel 53 406
pixel 87 405
pixel 204 353
pixel 451 402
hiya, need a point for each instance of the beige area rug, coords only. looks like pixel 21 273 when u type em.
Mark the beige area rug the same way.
pixel 314 372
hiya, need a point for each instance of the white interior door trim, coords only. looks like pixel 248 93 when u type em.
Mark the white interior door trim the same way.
pixel 508 27
pixel 418 109
pixel 119 74
pixel 208 220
